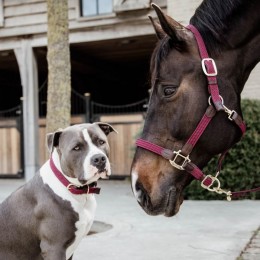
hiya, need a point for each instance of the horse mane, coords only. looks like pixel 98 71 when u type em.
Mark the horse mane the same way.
pixel 213 17
pixel 160 52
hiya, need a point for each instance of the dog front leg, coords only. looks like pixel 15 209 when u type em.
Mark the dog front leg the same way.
pixel 52 251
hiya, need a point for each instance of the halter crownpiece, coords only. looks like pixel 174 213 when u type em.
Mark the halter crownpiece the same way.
pixel 84 189
pixel 180 159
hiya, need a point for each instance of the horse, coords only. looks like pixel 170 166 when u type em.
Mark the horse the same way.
pixel 197 74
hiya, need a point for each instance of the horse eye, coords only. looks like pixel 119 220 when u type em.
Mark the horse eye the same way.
pixel 168 91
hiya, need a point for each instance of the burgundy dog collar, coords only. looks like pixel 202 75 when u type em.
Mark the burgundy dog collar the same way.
pixel 84 189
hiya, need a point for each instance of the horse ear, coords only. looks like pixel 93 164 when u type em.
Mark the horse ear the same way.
pixel 158 29
pixel 169 25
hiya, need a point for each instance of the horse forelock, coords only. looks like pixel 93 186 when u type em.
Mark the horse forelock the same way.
pixel 161 51
pixel 213 17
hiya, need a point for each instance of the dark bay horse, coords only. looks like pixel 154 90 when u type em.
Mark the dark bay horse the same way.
pixel 195 90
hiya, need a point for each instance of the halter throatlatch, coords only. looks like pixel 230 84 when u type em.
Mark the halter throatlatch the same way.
pixel 180 159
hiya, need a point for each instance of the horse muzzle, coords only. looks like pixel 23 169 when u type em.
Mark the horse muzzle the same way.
pixel 165 200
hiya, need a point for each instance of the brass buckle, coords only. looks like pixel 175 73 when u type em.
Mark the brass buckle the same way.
pixel 186 159
pixel 215 181
pixel 227 110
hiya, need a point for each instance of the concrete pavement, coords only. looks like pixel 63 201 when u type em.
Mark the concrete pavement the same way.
pixel 202 230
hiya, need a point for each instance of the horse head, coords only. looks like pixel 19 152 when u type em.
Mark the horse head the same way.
pixel 178 100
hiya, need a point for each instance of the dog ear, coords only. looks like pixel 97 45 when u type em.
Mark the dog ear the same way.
pixel 53 140
pixel 106 128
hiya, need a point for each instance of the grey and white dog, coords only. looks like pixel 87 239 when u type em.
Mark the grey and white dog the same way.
pixel 48 216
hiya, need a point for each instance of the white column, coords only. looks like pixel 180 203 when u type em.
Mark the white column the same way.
pixel 29 80
pixel 251 89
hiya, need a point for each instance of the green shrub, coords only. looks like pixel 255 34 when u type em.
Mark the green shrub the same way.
pixel 241 167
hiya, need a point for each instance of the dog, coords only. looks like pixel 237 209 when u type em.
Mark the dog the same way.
pixel 48 216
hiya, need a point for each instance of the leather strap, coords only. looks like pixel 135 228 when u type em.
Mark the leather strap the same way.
pixel 210 71
pixel 209 68
pixel 84 189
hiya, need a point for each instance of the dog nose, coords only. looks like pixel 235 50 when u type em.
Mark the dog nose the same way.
pixel 99 161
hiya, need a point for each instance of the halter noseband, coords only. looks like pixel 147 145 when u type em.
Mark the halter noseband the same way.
pixel 180 159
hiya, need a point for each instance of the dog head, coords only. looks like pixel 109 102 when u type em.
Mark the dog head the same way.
pixel 82 151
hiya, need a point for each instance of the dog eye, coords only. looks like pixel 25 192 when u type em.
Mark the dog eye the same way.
pixel 101 142
pixel 76 148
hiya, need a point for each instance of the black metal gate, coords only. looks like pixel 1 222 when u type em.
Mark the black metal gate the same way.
pixel 11 140
pixel 92 111
pixel 97 110
pixel 82 104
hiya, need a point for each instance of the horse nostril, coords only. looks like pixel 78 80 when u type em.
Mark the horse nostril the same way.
pixel 98 160
pixel 145 200
pixel 143 197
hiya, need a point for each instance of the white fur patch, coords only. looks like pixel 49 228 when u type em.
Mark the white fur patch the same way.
pixel 90 172
pixel 84 204
pixel 134 180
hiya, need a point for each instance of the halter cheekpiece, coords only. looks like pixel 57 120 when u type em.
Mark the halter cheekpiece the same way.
pixel 180 159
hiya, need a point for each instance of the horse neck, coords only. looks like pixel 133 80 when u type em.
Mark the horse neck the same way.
pixel 242 44
pixel 243 33
pixel 246 52
pixel 238 43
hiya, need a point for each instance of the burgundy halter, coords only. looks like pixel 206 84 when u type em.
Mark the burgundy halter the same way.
pixel 180 159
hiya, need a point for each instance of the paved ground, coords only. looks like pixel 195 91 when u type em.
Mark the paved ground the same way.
pixel 202 230
pixel 252 249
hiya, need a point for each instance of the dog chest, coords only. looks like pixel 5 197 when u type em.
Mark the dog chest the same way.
pixel 86 212
pixel 84 205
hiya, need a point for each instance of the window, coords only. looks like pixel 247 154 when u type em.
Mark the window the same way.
pixel 96 7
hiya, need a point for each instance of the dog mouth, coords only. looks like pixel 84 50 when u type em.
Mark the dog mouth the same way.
pixel 101 171
pixel 91 184
pixel 84 182
pixel 99 174
pixel 103 174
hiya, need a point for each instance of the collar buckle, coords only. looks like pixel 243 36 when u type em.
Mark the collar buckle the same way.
pixel 72 186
